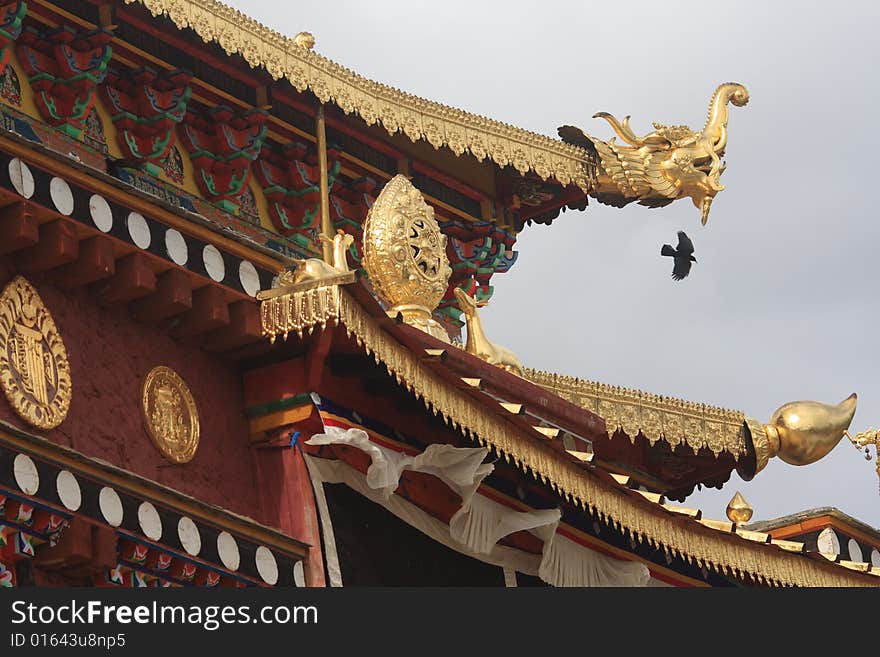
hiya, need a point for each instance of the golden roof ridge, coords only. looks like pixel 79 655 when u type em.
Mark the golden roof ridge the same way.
pixel 376 102
pixel 622 391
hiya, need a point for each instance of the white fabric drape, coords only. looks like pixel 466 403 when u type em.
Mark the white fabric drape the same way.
pixel 567 563
pixel 462 469
pixel 484 522
pixel 477 527
pixel 334 573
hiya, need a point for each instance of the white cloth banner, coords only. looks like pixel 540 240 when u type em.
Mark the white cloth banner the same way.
pixel 462 469
pixel 477 527
pixel 567 563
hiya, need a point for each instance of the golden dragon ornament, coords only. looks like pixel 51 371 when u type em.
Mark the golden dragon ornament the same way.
pixel 669 163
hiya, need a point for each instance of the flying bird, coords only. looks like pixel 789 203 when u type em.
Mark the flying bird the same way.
pixel 683 256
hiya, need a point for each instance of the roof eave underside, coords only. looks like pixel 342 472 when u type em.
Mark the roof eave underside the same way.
pixel 397 111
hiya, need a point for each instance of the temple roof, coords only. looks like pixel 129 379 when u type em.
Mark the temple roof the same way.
pixel 818 512
pixel 397 111
pixel 524 425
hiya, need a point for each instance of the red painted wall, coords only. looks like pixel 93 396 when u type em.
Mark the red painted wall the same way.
pixel 109 356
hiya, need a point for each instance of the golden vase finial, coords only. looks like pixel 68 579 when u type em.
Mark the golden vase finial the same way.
pixel 805 431
pixel 739 512
pixel 405 255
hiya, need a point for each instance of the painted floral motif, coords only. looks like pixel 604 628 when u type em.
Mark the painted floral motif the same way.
pixel 10 88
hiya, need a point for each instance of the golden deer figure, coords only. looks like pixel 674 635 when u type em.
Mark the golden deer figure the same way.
pixel 477 343
pixel 316 270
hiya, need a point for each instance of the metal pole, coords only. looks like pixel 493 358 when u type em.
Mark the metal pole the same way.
pixel 326 228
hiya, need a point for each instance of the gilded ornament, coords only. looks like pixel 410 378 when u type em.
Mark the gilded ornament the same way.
pixel 669 163
pixel 477 342
pixel 405 255
pixel 807 430
pixel 34 370
pixel 170 415
pixel 739 511
pixel 634 411
pixel 313 272
pixel 865 438
pixel 305 40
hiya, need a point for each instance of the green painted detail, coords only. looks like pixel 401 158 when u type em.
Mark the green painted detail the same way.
pixel 227 206
pixel 278 405
pixel 70 130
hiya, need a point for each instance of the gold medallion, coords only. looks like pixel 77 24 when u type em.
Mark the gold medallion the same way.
pixel 34 371
pixel 170 414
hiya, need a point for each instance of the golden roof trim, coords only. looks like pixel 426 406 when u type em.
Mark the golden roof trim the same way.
pixel 629 512
pixel 678 421
pixel 417 118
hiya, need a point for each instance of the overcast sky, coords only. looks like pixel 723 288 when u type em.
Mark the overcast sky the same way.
pixel 782 304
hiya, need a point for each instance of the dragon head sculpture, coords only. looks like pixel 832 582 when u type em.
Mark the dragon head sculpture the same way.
pixel 669 163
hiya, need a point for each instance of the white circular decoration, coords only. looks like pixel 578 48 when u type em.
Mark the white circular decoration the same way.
pixel 21 177
pixel 189 536
pixel 855 551
pixel 827 541
pixel 214 264
pixel 299 576
pixel 249 278
pixel 176 247
pixel 227 548
pixel 102 215
pixel 149 520
pixel 111 506
pixel 61 195
pixel 875 558
pixel 266 565
pixel 139 230
pixel 69 491
pixel 26 476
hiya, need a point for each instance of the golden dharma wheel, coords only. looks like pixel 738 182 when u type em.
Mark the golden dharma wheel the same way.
pixel 405 255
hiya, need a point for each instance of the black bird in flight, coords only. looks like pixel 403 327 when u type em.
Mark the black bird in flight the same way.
pixel 683 256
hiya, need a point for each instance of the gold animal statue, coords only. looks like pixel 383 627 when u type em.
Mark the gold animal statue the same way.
pixel 316 271
pixel 803 432
pixel 477 343
pixel 669 163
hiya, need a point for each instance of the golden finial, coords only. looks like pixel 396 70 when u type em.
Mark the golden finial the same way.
pixel 865 438
pixel 739 512
pixel 305 40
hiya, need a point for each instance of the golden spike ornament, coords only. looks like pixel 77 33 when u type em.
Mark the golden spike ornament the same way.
pixel 477 342
pixel 739 512
pixel 670 163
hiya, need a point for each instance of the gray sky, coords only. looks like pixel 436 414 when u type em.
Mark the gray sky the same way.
pixel 782 303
